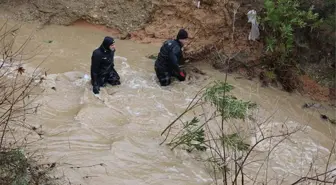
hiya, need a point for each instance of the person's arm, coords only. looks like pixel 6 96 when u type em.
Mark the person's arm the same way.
pixel 95 66
pixel 112 57
pixel 173 58
pixel 176 51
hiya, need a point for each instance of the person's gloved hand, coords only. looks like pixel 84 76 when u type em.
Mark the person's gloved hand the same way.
pixel 115 83
pixel 95 89
pixel 182 75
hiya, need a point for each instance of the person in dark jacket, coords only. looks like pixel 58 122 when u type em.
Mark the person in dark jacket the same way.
pixel 169 57
pixel 102 66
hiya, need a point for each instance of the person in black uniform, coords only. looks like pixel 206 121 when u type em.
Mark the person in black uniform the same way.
pixel 102 65
pixel 169 58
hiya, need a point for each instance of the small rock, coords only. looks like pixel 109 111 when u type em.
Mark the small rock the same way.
pixel 208 2
pixel 152 56
pixel 48 41
pixel 125 36
pixel 332 121
pixel 324 117
pixel 312 105
pixel 264 80
pixel 196 70
pixel 53 88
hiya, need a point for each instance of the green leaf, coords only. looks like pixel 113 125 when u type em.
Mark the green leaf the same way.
pixel 48 41
pixel 235 141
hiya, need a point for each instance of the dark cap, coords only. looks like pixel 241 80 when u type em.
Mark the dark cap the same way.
pixel 182 34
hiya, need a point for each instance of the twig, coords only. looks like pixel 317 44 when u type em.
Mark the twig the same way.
pixel 256 144
pixel 69 142
pixel 89 166
pixel 315 178
pixel 186 110
pixel 233 23
pixel 329 157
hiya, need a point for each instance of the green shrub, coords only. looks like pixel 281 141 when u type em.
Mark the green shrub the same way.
pixel 280 19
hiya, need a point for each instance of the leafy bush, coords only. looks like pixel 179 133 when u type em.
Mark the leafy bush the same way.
pixel 13 168
pixel 226 147
pixel 208 134
pixel 280 19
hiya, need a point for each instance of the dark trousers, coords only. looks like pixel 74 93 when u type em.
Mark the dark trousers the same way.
pixel 112 78
pixel 165 75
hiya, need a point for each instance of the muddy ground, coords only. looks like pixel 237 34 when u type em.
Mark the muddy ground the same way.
pixel 215 25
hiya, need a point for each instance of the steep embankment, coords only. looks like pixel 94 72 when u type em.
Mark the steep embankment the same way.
pixel 125 15
pixel 148 20
pixel 222 24
pixel 212 23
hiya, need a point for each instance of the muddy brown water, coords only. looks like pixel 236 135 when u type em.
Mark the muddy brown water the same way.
pixel 121 127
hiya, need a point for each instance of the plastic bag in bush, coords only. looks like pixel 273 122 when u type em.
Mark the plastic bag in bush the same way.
pixel 252 18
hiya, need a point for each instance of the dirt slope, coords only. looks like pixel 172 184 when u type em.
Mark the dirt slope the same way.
pixel 125 15
pixel 210 24
pixel 148 20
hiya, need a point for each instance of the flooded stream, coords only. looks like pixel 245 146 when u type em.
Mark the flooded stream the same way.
pixel 121 127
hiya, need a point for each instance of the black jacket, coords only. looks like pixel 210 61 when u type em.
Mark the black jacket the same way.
pixel 102 61
pixel 169 56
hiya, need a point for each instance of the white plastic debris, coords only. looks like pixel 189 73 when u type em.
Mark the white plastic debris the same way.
pixel 252 18
pixel 86 77
pixel 197 3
